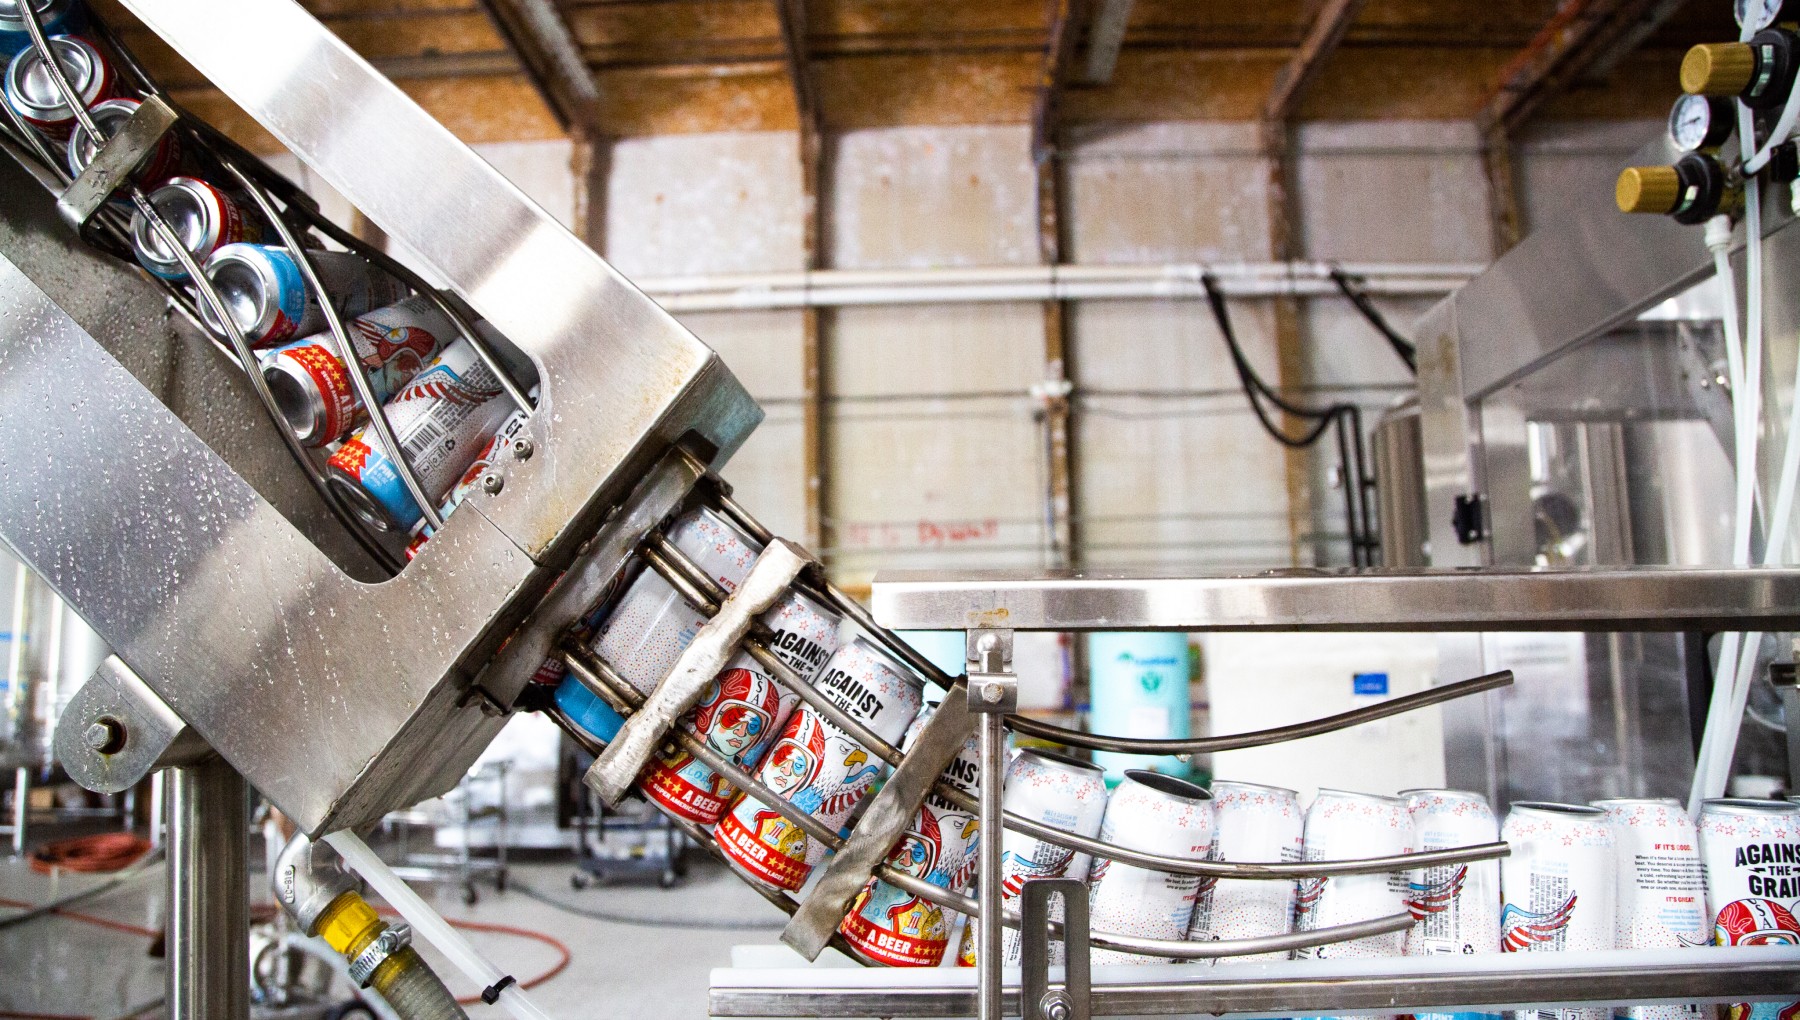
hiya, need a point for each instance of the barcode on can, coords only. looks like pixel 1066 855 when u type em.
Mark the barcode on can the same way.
pixel 428 433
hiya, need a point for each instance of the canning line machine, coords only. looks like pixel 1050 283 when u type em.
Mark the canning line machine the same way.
pixel 264 633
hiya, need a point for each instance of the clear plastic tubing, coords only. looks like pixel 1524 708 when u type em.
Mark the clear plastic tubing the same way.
pixel 426 921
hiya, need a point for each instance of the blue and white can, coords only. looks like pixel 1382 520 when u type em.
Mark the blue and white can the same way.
pixel 1138 687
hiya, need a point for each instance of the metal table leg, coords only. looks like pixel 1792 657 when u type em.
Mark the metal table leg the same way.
pixel 209 906
pixel 21 809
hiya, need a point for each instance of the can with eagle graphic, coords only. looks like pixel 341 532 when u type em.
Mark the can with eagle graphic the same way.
pixel 1343 825
pixel 741 712
pixel 1751 853
pixel 1252 824
pixel 1456 907
pixel 1052 790
pixel 441 419
pixel 893 927
pixel 818 768
pixel 1661 898
pixel 1156 814
pixel 646 631
pixel 311 384
pixel 1558 889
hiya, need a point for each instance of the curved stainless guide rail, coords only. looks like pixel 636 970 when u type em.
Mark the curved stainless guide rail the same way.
pixel 341 698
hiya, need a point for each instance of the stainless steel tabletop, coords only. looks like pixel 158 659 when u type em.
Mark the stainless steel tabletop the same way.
pixel 1600 599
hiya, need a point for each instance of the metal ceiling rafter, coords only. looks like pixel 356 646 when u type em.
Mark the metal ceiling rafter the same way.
pixel 540 35
pixel 1106 36
pixel 1302 69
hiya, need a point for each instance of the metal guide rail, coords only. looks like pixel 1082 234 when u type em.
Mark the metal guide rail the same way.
pixel 861 855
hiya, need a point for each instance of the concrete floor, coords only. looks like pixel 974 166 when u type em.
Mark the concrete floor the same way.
pixel 67 968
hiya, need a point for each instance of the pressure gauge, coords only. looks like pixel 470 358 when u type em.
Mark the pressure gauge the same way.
pixel 1756 15
pixel 1699 122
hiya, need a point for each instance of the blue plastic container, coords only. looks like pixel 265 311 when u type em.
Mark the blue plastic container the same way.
pixel 585 709
pixel 1138 687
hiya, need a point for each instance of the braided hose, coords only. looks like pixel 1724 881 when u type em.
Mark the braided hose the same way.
pixel 415 991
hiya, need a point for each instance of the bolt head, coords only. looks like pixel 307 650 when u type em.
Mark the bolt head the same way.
pixel 1055 1005
pixel 993 692
pixel 105 736
pixel 492 483
pixel 522 448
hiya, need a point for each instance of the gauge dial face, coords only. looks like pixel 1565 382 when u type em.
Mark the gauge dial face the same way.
pixel 1690 123
pixel 1756 15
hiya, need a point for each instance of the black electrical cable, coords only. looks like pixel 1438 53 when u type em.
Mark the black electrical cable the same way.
pixel 1407 351
pixel 1352 464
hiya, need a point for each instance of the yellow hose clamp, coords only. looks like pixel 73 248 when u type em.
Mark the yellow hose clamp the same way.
pixel 377 952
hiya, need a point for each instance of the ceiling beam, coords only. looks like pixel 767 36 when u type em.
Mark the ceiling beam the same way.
pixel 1302 69
pixel 792 16
pixel 537 32
pixel 1580 36
pixel 1106 35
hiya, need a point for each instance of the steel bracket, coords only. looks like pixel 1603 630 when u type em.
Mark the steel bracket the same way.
pixel 992 685
pixel 889 813
pixel 116 730
pixel 613 773
pixel 113 164
pixel 1037 999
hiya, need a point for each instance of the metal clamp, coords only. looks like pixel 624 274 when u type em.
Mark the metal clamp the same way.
pixel 992 685
pixel 113 164
pixel 1037 1000
pixel 378 952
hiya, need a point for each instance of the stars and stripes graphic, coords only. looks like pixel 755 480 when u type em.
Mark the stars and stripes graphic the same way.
pixel 1430 897
pixel 1522 929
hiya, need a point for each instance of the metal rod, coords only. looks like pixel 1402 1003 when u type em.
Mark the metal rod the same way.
pixel 209 907
pixel 663 560
pixel 42 43
pixel 353 364
pixel 993 779
pixel 1275 735
pixel 21 807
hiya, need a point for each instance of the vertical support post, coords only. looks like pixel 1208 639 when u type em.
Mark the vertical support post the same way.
pixel 814 451
pixel 209 906
pixel 590 162
pixel 1503 193
pixel 21 808
pixel 993 692
pixel 1054 392
pixel 1290 343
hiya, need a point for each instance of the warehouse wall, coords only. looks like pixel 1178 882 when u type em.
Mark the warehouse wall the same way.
pixel 936 454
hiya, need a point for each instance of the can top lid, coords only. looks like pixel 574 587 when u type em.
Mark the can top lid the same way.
pixel 9 9
pixel 1447 794
pixel 179 205
pixel 1062 761
pixel 245 282
pixel 110 118
pixel 1168 786
pixel 1748 806
pixel 1548 807
pixel 1220 785
pixel 30 85
pixel 1379 798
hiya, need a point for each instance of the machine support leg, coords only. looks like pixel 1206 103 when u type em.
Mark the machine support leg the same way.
pixel 21 808
pixel 209 906
pixel 993 692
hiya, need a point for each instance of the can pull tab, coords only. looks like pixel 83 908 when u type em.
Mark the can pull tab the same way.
pixel 1037 1000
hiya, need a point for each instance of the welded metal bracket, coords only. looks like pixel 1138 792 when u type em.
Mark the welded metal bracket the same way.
pixel 992 685
pixel 889 813
pixel 1037 1000
pixel 117 157
pixel 116 730
pixel 613 773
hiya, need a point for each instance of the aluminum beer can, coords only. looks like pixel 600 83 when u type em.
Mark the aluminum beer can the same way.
pixel 204 219
pixel 890 926
pixel 32 91
pixel 110 117
pixel 1457 906
pixel 1661 898
pixel 441 420
pixel 1256 824
pixel 1559 893
pixel 55 17
pixel 1052 790
pixel 818 768
pixel 1751 853
pixel 308 380
pixel 496 448
pixel 1156 814
pixel 742 711
pixel 267 296
pixel 1342 825
pixel 646 631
